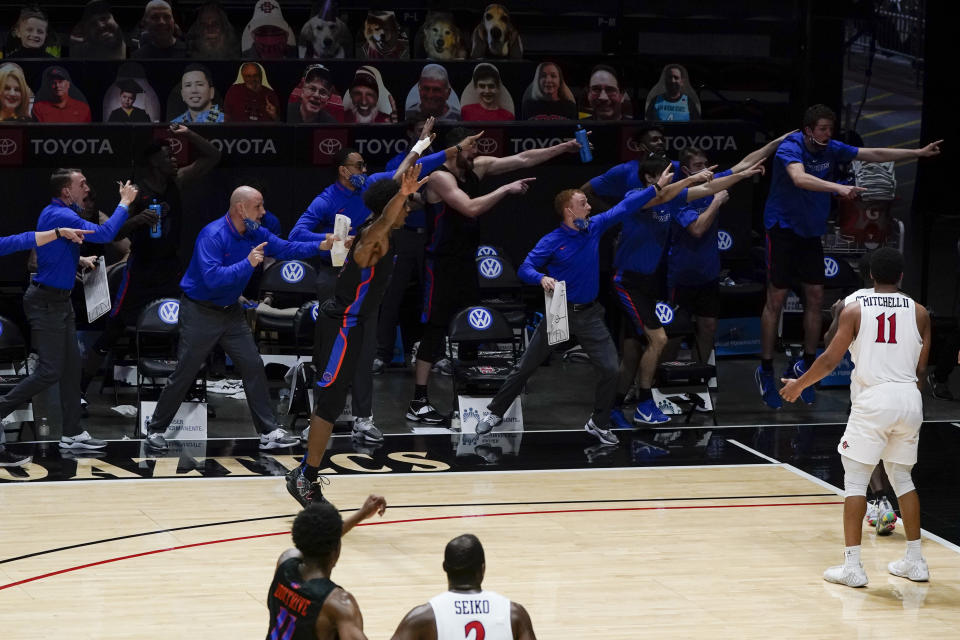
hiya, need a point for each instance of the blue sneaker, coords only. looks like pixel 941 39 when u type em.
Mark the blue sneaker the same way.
pixel 808 395
pixel 649 413
pixel 618 420
pixel 768 390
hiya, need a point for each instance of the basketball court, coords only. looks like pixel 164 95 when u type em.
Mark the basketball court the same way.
pixel 681 534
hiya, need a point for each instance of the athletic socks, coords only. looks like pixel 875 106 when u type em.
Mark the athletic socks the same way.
pixel 619 399
pixel 311 473
pixel 420 393
pixel 913 550
pixel 643 395
pixel 766 364
pixel 852 556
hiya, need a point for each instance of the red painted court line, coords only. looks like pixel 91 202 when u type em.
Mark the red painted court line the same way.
pixel 407 521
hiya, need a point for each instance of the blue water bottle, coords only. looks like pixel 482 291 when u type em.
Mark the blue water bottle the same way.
pixel 581 136
pixel 156 230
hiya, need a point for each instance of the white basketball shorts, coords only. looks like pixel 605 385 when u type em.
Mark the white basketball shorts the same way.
pixel 884 424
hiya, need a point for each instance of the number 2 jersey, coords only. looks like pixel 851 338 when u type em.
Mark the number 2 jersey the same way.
pixel 887 346
pixel 294 604
pixel 472 616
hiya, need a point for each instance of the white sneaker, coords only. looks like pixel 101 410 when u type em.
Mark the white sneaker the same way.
pixel 845 574
pixel 915 570
pixel 81 441
pixel 873 512
pixel 277 439
pixel 606 436
pixel 364 428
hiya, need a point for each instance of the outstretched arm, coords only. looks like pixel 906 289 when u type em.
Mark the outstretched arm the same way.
pixel 847 329
pixel 703 190
pixel 373 242
pixel 803 180
pixel 762 153
pixel 489 165
pixel 207 155
pixel 373 504
pixel 887 155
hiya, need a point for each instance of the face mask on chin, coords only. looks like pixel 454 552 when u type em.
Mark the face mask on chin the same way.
pixel 252 225
pixel 357 180
pixel 582 224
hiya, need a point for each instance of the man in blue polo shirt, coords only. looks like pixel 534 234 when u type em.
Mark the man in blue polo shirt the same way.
pixel 48 307
pixel 24 242
pixel 570 253
pixel 795 217
pixel 640 282
pixel 224 257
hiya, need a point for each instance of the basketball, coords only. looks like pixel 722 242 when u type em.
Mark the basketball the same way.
pixel 886 523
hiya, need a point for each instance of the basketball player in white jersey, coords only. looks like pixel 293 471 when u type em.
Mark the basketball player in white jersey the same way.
pixel 888 335
pixel 466 611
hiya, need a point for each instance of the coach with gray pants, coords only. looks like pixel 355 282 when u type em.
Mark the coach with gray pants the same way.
pixel 224 257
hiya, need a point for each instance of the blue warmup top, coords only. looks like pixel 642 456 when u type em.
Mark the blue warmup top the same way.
pixel 692 260
pixel 573 256
pixel 618 180
pixel 790 207
pixel 319 218
pixel 19 242
pixel 57 261
pixel 645 237
pixel 219 269
pixel 272 223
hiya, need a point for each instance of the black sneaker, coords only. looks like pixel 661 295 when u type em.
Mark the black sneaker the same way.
pixel 304 491
pixel 10 459
pixel 939 390
pixel 422 411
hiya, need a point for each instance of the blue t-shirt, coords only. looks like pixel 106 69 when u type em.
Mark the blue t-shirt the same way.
pixel 645 237
pixel 618 180
pixel 694 261
pixel 789 207
pixel 671 110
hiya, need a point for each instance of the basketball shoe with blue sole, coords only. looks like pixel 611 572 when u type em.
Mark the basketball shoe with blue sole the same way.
pixel 768 390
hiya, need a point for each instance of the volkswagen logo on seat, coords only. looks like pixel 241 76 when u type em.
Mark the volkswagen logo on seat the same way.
pixel 486 250
pixel 169 312
pixel 314 310
pixel 830 267
pixel 724 240
pixel 479 318
pixel 664 313
pixel 491 268
pixel 292 272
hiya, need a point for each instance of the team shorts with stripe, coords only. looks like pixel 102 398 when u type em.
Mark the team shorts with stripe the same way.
pixel 638 294
pixel 336 352
pixel 702 300
pixel 884 424
pixel 792 258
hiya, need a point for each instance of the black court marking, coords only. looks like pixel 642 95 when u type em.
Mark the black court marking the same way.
pixel 408 506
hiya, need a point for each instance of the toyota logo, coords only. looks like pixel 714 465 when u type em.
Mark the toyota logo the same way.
pixel 175 146
pixel 830 267
pixel 724 240
pixel 632 145
pixel 486 250
pixel 479 318
pixel 329 146
pixel 314 310
pixel 8 147
pixel 664 313
pixel 169 312
pixel 292 272
pixel 491 268
pixel 487 146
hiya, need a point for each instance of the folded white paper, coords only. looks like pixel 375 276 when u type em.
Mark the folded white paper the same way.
pixel 341 229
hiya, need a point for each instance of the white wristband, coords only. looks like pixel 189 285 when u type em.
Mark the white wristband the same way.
pixel 421 145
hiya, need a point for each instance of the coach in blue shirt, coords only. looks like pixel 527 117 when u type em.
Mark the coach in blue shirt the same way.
pixel 224 257
pixel 12 244
pixel 570 253
pixel 795 217
pixel 47 303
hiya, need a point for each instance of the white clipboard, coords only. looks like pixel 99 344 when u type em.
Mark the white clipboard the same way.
pixel 555 306
pixel 339 251
pixel 96 290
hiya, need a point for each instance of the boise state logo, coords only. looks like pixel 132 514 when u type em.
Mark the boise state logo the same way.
pixel 479 318
pixel 292 272
pixel 724 240
pixel 486 250
pixel 169 312
pixel 470 414
pixel 830 267
pixel 314 310
pixel 327 376
pixel 491 268
pixel 664 313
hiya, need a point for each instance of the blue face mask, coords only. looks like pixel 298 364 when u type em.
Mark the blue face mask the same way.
pixel 252 225
pixel 582 224
pixel 358 180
